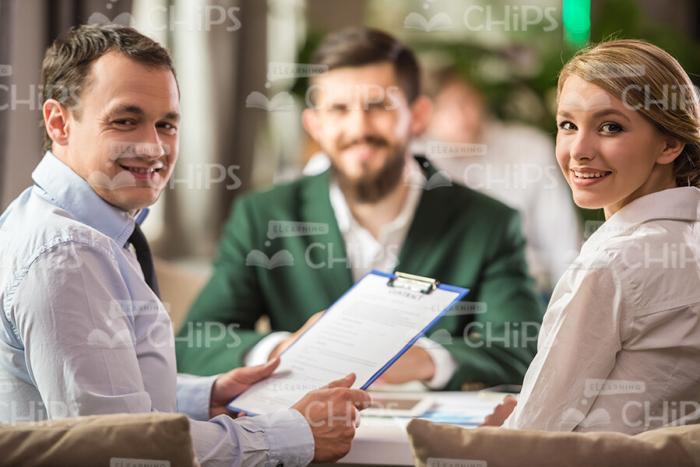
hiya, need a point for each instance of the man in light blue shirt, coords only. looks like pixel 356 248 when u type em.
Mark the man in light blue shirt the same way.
pixel 82 331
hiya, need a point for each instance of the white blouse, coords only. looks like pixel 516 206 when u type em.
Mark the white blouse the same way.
pixel 619 347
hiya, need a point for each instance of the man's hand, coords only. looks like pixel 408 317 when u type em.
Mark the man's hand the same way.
pixel 282 346
pixel 234 383
pixel 501 412
pixel 414 365
pixel 332 413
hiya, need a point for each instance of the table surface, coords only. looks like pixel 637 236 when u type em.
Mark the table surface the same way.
pixel 384 440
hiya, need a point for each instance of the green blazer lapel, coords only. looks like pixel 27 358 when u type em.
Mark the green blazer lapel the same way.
pixel 432 216
pixel 316 207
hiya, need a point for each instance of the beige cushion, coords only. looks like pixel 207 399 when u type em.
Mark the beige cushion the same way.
pixel 439 445
pixel 105 440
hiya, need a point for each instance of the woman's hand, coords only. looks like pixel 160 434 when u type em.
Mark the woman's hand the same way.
pixel 501 412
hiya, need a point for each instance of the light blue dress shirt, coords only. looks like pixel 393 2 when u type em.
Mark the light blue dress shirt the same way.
pixel 81 333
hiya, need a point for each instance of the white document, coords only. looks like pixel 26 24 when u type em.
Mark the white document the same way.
pixel 365 331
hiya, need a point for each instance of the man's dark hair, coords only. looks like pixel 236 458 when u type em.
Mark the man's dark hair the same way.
pixel 67 62
pixel 439 79
pixel 359 46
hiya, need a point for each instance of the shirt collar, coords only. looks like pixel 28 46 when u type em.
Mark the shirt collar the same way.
pixel 681 204
pixel 346 221
pixel 67 190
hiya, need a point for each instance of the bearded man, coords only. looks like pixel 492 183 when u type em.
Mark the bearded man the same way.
pixel 292 250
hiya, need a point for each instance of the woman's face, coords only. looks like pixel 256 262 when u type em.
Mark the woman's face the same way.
pixel 609 153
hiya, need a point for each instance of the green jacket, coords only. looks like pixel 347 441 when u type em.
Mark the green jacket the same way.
pixel 458 236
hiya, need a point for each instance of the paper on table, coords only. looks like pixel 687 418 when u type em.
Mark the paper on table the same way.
pixel 362 333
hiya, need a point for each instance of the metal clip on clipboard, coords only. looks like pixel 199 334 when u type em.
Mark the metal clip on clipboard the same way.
pixel 414 283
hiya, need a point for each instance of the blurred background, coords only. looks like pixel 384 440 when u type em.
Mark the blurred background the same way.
pixel 242 65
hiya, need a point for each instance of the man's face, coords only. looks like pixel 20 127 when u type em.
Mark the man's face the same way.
pixel 122 136
pixel 459 114
pixel 362 120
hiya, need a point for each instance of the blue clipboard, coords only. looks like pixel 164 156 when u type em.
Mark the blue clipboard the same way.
pixel 430 284
pixel 400 280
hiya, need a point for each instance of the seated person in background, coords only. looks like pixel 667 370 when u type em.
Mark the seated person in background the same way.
pixel 83 331
pixel 370 210
pixel 513 163
pixel 620 343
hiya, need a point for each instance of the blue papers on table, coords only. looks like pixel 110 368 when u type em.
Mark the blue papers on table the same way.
pixel 364 332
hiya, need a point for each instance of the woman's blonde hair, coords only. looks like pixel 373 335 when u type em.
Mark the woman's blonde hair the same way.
pixel 649 80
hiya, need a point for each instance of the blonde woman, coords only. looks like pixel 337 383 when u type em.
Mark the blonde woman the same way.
pixel 619 347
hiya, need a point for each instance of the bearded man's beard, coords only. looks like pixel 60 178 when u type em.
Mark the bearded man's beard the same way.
pixel 373 187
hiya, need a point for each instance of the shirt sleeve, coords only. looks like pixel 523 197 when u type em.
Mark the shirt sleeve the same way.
pixel 445 364
pixel 579 341
pixel 281 438
pixel 61 317
pixel 194 395
pixel 79 352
